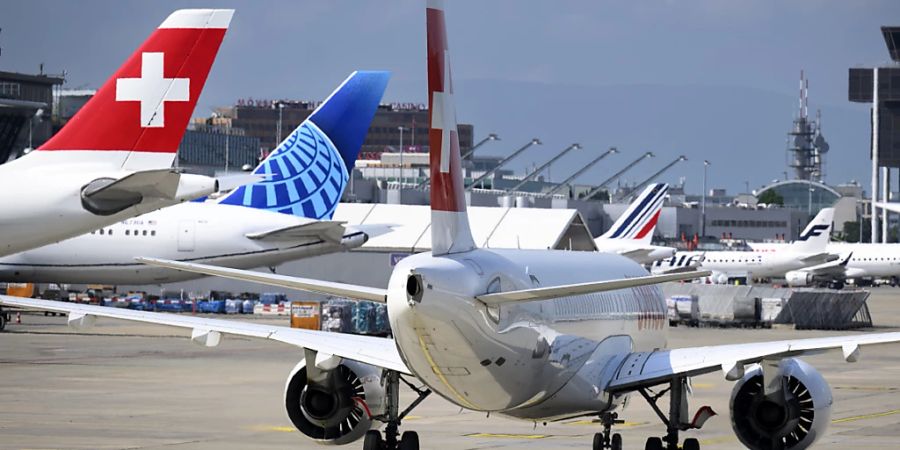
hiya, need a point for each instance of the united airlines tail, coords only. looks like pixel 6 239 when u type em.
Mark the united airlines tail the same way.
pixel 308 172
pixel 639 220
pixel 817 233
pixel 138 117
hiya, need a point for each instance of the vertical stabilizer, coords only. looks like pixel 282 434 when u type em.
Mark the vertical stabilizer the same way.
pixel 450 231
pixel 309 171
pixel 138 117
pixel 639 220
pixel 817 233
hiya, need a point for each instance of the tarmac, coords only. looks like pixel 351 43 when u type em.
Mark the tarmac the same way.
pixel 136 386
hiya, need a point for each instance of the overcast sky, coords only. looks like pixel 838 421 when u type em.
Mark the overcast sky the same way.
pixel 302 49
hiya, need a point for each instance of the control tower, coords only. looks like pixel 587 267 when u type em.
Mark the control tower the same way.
pixel 806 145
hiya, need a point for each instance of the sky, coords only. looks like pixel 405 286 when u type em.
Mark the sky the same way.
pixel 711 79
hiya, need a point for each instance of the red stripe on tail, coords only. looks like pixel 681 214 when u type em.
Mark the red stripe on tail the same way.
pixel 649 226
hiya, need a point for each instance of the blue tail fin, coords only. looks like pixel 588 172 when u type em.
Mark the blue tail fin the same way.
pixel 310 169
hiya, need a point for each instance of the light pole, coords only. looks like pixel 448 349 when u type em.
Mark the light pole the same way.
pixel 278 128
pixel 490 137
pixel 703 202
pixel 486 174
pixel 540 169
pixel 401 128
pixel 809 203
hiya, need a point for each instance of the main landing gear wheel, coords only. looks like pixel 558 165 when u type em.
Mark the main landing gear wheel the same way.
pixel 674 421
pixel 410 439
pixel 607 440
pixel 691 444
pixel 373 440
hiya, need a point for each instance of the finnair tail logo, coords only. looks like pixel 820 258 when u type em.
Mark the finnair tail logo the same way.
pixel 815 230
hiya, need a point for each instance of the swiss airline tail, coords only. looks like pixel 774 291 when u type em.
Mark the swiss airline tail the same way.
pixel 639 220
pixel 450 231
pixel 138 117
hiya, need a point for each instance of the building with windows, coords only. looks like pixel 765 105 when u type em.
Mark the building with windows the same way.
pixel 26 107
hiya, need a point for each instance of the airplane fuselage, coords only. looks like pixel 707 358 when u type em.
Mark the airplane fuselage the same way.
pixel 517 359
pixel 758 263
pixel 199 232
pixel 43 204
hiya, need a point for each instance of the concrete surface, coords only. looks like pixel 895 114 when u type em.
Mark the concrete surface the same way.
pixel 136 386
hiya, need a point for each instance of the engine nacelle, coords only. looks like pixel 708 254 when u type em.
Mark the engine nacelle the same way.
pixel 798 278
pixel 338 409
pixel 794 420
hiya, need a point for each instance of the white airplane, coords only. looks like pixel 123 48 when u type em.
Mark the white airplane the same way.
pixel 286 216
pixel 855 261
pixel 536 335
pixel 632 232
pixel 808 250
pixel 113 160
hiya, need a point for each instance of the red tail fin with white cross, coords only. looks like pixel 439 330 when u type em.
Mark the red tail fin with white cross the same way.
pixel 140 114
pixel 450 231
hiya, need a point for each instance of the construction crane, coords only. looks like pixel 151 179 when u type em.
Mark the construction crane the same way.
pixel 547 164
pixel 503 162
pixel 616 175
pixel 656 175
pixel 490 137
pixel 582 171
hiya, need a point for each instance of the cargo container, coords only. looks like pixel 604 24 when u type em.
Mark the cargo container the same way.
pixel 306 315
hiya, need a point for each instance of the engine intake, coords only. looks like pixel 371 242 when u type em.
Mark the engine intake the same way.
pixel 793 420
pixel 337 409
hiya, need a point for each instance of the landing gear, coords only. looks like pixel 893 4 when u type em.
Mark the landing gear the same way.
pixel 607 440
pixel 409 440
pixel 4 317
pixel 675 420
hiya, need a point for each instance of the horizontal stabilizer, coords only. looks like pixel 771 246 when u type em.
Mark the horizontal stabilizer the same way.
pixel 159 183
pixel 327 230
pixel 552 292
pixel 322 287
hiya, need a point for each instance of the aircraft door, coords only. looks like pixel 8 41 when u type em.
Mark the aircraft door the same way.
pixel 186 235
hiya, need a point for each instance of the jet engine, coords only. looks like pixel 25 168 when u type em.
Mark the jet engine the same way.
pixel 798 278
pixel 337 406
pixel 791 419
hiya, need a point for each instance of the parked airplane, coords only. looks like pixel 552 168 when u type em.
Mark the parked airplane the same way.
pixel 113 159
pixel 632 232
pixel 287 216
pixel 855 261
pixel 528 334
pixel 809 250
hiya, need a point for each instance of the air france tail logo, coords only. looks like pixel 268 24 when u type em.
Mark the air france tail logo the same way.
pixel 153 90
pixel 815 230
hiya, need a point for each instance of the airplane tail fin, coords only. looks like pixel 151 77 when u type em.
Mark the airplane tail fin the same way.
pixel 308 172
pixel 639 220
pixel 450 232
pixel 817 233
pixel 138 117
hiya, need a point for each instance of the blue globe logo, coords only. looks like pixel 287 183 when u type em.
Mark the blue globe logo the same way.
pixel 307 177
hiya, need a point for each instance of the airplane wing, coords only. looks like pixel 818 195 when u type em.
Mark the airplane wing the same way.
pixel 381 352
pixel 819 258
pixel 551 292
pixel 327 230
pixel 834 268
pixel 645 369
pixel 323 287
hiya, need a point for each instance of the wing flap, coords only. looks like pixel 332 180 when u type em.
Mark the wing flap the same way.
pixel 381 352
pixel 306 284
pixel 551 292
